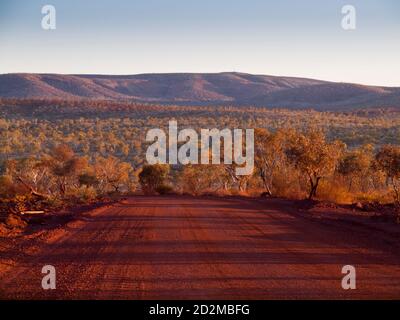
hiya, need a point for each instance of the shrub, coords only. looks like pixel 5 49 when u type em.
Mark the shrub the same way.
pixel 88 180
pixel 388 160
pixel 21 203
pixel 54 203
pixel 381 197
pixel 164 189
pixel 152 177
pixel 86 194
pixel 334 192
pixel 7 188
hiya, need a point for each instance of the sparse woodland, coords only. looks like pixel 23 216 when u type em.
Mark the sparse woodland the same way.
pixel 54 152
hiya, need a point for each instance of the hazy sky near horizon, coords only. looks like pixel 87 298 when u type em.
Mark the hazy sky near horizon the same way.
pixel 285 37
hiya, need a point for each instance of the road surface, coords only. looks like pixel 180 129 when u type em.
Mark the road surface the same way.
pixel 205 248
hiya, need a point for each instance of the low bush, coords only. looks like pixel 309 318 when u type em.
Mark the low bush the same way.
pixel 164 189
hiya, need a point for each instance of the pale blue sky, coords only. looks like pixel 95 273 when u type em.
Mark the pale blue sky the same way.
pixel 285 37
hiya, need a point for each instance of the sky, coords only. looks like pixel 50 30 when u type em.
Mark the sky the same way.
pixel 282 37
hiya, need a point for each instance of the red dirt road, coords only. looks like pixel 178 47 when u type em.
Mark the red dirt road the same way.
pixel 205 248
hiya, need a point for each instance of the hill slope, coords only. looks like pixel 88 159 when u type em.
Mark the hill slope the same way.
pixel 204 89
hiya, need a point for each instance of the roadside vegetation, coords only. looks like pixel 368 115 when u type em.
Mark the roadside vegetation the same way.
pixel 85 153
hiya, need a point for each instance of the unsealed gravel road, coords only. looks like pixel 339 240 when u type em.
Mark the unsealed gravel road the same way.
pixel 205 248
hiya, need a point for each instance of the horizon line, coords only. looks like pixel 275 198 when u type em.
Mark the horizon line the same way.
pixel 198 73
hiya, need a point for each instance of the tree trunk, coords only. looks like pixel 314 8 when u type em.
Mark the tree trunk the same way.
pixel 350 184
pixel 268 192
pixel 313 187
pixel 266 184
pixel 396 191
pixel 32 191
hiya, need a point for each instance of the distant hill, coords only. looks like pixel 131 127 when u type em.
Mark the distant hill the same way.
pixel 227 88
